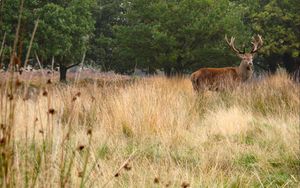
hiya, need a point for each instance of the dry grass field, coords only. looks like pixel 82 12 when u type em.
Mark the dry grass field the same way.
pixel 149 132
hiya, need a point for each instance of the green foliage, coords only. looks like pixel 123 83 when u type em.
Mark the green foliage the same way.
pixel 279 23
pixel 8 24
pixel 247 160
pixel 65 29
pixel 106 15
pixel 103 151
pixel 178 34
pixel 278 179
pixel 63 32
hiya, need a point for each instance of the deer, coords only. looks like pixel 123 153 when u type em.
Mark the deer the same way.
pixel 215 78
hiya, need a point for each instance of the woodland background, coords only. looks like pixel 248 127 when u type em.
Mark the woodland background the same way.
pixel 175 36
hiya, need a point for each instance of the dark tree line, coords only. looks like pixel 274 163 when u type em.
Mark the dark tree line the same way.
pixel 175 36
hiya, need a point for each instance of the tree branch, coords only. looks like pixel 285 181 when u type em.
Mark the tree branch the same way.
pixel 72 65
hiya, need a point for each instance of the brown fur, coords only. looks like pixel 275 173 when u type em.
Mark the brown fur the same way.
pixel 212 78
pixel 217 78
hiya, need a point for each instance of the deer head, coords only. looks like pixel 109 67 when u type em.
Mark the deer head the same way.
pixel 246 58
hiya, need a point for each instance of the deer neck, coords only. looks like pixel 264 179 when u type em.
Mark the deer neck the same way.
pixel 245 72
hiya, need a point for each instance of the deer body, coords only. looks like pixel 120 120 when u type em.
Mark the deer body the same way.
pixel 214 78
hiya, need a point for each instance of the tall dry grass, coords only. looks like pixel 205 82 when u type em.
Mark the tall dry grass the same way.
pixel 155 132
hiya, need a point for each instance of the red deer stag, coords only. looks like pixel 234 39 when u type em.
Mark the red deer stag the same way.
pixel 214 78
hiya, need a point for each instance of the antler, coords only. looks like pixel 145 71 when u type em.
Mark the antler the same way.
pixel 257 44
pixel 231 45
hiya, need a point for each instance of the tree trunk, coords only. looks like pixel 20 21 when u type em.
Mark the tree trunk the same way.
pixel 179 66
pixel 167 71
pixel 290 63
pixel 151 70
pixel 63 73
pixel 273 63
pixel 179 72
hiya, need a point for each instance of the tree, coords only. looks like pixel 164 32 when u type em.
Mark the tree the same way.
pixel 279 22
pixel 178 36
pixel 8 24
pixel 64 32
pixel 107 15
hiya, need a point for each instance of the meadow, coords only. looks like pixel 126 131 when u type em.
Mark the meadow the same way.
pixel 149 132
